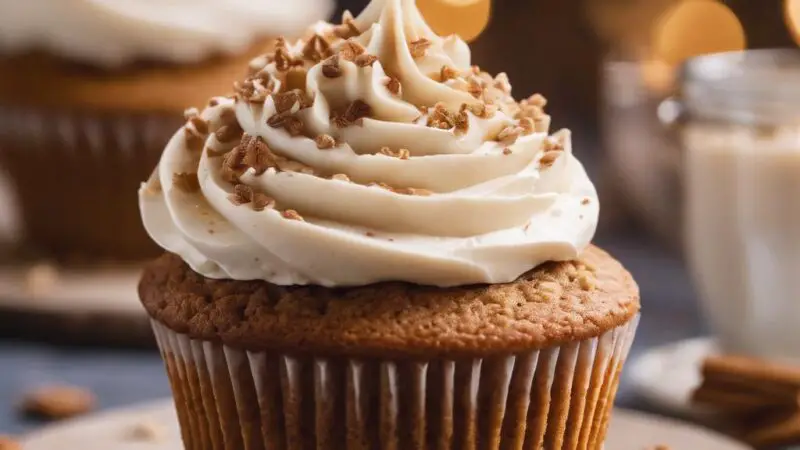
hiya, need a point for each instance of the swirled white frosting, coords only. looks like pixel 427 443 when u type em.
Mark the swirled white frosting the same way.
pixel 495 209
pixel 115 32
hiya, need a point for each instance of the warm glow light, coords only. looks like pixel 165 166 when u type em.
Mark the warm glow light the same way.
pixel 657 75
pixel 466 18
pixel 791 13
pixel 696 27
pixel 625 22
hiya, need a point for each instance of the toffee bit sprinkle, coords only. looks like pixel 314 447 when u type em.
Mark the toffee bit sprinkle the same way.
pixel 227 133
pixel 351 49
pixel 393 85
pixel 462 123
pixel 286 100
pixel 481 110
pixel 293 125
pixel 317 48
pixel 340 177
pixel 262 201
pixel 441 118
pixel 188 113
pixel 549 158
pixel 348 27
pixel 258 156
pixel 366 60
pixel 357 110
pixel 331 68
pixel 552 144
pixel 509 135
pixel 186 182
pixel 447 73
pixel 528 126
pixel 292 215
pixel 325 142
pixel 242 194
pixel 507 151
pixel 419 47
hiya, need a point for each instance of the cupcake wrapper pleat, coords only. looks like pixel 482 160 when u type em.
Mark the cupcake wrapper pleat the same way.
pixel 75 175
pixel 555 398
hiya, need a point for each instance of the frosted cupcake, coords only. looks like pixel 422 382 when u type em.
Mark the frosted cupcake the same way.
pixel 373 245
pixel 90 92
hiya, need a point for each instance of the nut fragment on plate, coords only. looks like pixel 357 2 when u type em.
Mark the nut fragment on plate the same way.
pixel 145 430
pixel 8 443
pixel 57 402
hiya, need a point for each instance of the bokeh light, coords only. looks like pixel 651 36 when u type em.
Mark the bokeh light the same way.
pixel 466 18
pixel 791 13
pixel 657 75
pixel 696 27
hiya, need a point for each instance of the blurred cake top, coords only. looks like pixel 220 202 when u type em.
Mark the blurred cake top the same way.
pixel 110 33
pixel 372 150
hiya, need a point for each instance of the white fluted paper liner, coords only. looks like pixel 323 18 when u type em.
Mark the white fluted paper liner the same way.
pixel 556 398
pixel 73 173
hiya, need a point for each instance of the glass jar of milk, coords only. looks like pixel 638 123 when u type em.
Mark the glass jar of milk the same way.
pixel 740 129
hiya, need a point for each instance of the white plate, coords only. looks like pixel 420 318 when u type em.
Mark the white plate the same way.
pixel 666 376
pixel 113 431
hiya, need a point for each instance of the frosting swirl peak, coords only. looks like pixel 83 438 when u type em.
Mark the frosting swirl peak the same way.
pixel 370 151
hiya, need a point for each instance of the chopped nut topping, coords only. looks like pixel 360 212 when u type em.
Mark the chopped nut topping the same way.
pixel 249 92
pixel 186 182
pixel 351 49
pixel 447 73
pixel 293 125
pixel 366 60
pixel 353 114
pixel 242 194
pixel 317 48
pixel 348 28
pixel 585 201
pixel 507 151
pixel 528 126
pixel 285 101
pixel 549 158
pixel 509 135
pixel 283 60
pixel 292 215
pixel 258 156
pixel 213 102
pixel 393 85
pixel 419 47
pixel 331 68
pixel 402 153
pixel 325 141
pixel 227 133
pixel 340 177
pixel 58 402
pixel 481 110
pixel 232 167
pixel 262 201
pixel 462 123
pixel 475 88
pixel 552 143
pixel 537 100
pixel 502 83
pixel 441 118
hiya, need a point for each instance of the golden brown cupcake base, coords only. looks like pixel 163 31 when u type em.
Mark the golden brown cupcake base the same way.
pixel 395 366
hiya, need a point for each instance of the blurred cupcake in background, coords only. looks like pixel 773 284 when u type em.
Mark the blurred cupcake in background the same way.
pixel 90 91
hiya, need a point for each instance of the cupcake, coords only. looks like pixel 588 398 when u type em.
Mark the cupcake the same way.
pixel 91 91
pixel 373 245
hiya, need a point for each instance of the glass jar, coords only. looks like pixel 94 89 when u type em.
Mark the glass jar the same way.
pixel 739 122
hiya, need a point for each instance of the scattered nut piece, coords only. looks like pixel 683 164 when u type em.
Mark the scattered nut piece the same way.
pixel 317 48
pixel 147 431
pixel 356 111
pixel 292 215
pixel 351 49
pixel 528 126
pixel 293 125
pixel 393 85
pixel 366 60
pixel 507 151
pixel 331 68
pixel 228 133
pixel 462 123
pixel 348 28
pixel 325 141
pixel 419 47
pixel 509 135
pixel 186 182
pixel 585 201
pixel 262 201
pixel 242 194
pixel 549 158
pixel 58 402
pixel 441 118
pixel 475 88
pixel 447 73
pixel 285 101
pixel 213 102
